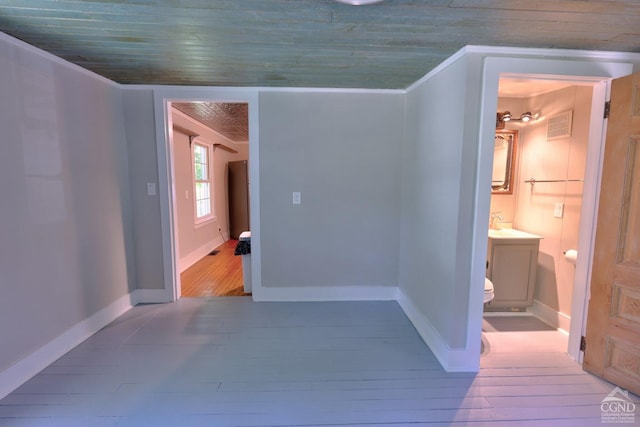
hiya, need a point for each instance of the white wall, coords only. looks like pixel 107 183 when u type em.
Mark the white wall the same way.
pixel 195 241
pixel 143 169
pixel 66 251
pixel 341 150
pixel 438 174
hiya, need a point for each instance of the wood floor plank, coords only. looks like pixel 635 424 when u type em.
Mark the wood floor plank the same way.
pixel 232 362
pixel 215 275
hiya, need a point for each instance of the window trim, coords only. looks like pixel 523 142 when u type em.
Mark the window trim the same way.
pixel 209 180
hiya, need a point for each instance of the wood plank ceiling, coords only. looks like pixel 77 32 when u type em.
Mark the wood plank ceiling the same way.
pixel 304 43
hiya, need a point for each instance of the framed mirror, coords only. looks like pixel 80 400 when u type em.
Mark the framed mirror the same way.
pixel 504 160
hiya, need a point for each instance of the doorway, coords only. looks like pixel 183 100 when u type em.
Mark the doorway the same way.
pixel 171 194
pixel 533 277
pixel 210 148
pixel 594 133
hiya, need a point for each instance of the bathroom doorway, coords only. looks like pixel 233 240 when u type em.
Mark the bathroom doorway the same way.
pixel 543 296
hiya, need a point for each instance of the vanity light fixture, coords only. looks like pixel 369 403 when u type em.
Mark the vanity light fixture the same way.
pixel 508 117
pixel 358 2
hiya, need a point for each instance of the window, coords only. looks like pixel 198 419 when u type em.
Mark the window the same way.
pixel 202 182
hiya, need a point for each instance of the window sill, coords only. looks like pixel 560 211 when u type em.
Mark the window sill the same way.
pixel 203 222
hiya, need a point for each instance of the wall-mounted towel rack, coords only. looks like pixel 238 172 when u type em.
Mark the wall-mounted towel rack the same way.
pixel 533 180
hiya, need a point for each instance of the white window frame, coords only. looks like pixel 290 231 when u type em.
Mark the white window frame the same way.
pixel 208 180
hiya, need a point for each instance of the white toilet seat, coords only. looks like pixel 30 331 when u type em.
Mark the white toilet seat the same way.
pixel 488 290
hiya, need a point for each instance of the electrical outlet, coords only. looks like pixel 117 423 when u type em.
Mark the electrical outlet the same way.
pixel 297 198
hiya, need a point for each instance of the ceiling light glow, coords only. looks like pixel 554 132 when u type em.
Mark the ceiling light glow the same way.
pixel 358 2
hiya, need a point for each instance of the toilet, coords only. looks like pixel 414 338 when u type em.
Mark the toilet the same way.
pixel 488 290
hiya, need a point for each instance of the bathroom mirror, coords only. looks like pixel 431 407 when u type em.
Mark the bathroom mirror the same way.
pixel 504 156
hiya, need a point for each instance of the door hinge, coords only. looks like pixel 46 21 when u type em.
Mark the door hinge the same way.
pixel 583 343
pixel 607 109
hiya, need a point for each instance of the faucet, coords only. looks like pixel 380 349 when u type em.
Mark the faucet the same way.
pixel 495 217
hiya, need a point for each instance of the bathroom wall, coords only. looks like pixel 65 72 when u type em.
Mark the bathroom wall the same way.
pixel 195 241
pixel 554 159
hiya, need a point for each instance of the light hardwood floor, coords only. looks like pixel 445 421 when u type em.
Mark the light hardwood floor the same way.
pixel 232 362
pixel 215 275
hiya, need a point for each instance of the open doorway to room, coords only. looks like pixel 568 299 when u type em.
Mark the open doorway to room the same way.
pixel 544 216
pixel 215 224
pixel 210 151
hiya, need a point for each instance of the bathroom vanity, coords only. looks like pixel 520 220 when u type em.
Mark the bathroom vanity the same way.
pixel 512 264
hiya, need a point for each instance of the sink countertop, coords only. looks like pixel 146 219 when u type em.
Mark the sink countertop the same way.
pixel 511 233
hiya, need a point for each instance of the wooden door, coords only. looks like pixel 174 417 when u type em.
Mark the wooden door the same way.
pixel 613 321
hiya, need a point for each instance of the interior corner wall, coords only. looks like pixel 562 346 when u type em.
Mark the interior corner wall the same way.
pixel 342 151
pixel 433 262
pixel 66 251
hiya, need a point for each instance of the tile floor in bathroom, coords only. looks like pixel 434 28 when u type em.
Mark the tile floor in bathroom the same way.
pixel 522 337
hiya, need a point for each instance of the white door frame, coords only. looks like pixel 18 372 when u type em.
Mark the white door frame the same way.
pixel 579 70
pixel 166 184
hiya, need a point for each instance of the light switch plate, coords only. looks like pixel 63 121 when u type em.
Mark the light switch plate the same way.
pixel 297 198
pixel 558 210
pixel 151 188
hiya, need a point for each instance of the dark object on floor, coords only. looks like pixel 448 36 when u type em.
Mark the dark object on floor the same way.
pixel 214 252
pixel 243 247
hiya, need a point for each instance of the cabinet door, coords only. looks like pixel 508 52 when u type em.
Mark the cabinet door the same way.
pixel 513 272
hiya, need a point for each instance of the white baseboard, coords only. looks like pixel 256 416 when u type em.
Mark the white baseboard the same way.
pixel 452 360
pixel 330 293
pixel 550 316
pixel 527 313
pixel 24 369
pixel 151 296
pixel 196 255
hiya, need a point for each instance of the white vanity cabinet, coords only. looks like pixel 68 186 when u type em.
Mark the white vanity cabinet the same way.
pixel 511 267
